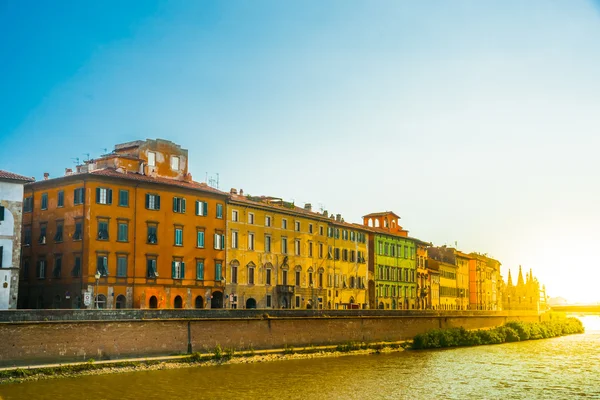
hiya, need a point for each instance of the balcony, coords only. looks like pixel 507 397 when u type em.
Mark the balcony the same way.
pixel 284 289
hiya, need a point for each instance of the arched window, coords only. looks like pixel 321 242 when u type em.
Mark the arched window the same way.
pixel 153 303
pixel 121 301
pixel 251 269
pixel 376 223
pixel 385 223
pixel 178 303
pixel 100 301
pixel 234 271
pixel 199 303
pixel 250 303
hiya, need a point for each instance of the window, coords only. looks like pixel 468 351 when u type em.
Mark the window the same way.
pixel 310 278
pixel 151 159
pixel 152 236
pixel 41 269
pixel 297 226
pixel 310 228
pixel 219 210
pixel 42 239
pixel 60 202
pixel 267 244
pixel 320 250
pixel 179 205
pixel 284 245
pixel 58 236
pixel 76 271
pixel 151 268
pixel 44 205
pixel 345 255
pixel 219 240
pixel 103 196
pixel 200 238
pixel 57 270
pixel 297 247
pixel 1 213
pixel 405 251
pixel 321 230
pixel 103 230
pixel 201 208
pixel 297 278
pixel 152 201
pixel 336 252
pixel 78 196
pixel 269 300
pixel 102 265
pixel 177 269
pixel 250 241
pixel 178 236
pixel 27 235
pixel 123 198
pixel 284 223
pixel 284 277
pixel 122 231
pixel 234 215
pixel 268 276
pixel 234 273
pixel 251 218
pixel 234 239
pixel 329 231
pixel 320 279
pixel 267 221
pixel 122 266
pixel 218 271
pixel 175 163
pixel 78 230
pixel 200 270
pixel 28 204
pixel 250 275
pixel 25 269
pixel 330 252
pixel 310 249
pixel 297 301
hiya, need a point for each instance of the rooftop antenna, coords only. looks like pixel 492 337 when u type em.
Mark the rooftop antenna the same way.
pixel 105 150
pixel 321 207
pixel 214 182
pixel 87 156
pixel 76 160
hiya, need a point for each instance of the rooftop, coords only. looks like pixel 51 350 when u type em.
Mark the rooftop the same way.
pixel 5 175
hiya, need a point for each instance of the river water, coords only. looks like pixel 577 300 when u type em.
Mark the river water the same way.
pixel 560 368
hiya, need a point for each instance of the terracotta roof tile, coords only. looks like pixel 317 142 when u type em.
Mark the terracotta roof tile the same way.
pixel 381 214
pixel 14 177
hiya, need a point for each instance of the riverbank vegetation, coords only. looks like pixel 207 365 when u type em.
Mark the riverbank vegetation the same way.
pixel 510 332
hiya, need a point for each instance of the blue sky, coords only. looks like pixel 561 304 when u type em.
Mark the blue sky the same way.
pixel 477 122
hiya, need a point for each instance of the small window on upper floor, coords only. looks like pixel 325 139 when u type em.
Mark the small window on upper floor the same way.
pixel 234 215
pixel 151 159
pixel 251 218
pixel 44 201
pixel 61 199
pixel 175 163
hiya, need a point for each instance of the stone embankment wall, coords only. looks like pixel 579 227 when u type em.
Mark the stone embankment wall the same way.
pixel 56 336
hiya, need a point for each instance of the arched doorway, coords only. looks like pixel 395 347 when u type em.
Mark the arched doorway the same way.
pixel 250 303
pixel 153 302
pixel 309 305
pixel 199 303
pixel 284 303
pixel 121 301
pixel 178 303
pixel 217 300
pixel 381 307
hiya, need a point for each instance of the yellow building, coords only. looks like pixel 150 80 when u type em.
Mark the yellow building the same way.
pixel 283 256
pixel 347 268
pixel 484 276
pixel 443 260
pixel 462 279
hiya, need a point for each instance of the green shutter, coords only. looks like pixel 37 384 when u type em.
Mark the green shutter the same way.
pixel 183 205
pixel 173 269
pixel 222 241
pixel 147 201
pixel 182 270
pixel 157 202
pixel 97 195
pixel 174 204
pixel 108 196
pixel 197 207
pixel 205 213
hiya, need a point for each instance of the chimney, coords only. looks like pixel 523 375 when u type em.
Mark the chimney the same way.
pixel 325 213
pixel 233 191
pixel 46 176
pixel 338 217
pixel 68 171
pixel 308 207
pixel 241 192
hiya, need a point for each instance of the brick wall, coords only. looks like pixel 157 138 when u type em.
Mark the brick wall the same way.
pixel 31 343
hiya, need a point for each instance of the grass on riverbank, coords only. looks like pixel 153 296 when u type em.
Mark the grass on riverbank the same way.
pixel 510 332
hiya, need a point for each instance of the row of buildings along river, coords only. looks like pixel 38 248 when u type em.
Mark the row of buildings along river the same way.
pixel 131 229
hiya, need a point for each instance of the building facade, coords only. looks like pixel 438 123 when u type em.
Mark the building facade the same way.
pixel 283 256
pixel 484 276
pixel 392 263
pixel 527 294
pixel 130 229
pixel 11 215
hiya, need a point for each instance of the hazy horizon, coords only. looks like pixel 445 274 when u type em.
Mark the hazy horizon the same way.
pixel 476 122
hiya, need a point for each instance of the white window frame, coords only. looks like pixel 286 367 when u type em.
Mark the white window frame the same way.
pixel 234 216
pixel 250 241
pixel 175 163
pixel 297 247
pixel 234 239
pixel 251 218
pixel 297 226
pixel 283 223
pixel 151 159
pixel 268 220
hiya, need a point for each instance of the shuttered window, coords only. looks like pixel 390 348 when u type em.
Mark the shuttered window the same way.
pixel 201 208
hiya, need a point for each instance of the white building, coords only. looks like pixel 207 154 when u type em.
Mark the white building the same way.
pixel 11 217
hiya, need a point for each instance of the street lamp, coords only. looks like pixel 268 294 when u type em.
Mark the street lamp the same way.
pixel 97 276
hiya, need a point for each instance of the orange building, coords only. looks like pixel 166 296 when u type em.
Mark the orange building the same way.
pixel 131 227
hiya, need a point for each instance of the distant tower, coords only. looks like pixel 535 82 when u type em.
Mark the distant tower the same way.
pixel 510 283
pixel 520 282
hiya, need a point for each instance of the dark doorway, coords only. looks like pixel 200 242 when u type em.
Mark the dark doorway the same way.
pixel 153 302
pixel 250 303
pixel 178 303
pixel 121 301
pixel 217 300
